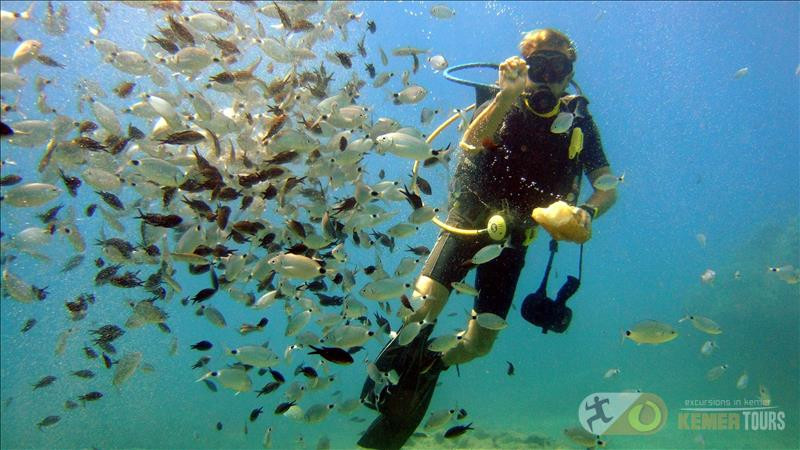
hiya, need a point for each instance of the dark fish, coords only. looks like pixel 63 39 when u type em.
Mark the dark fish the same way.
pixel 45 381
pixel 269 387
pixel 168 46
pixel 419 251
pixel 333 354
pixel 160 220
pixel 91 396
pixel 48 61
pixel 87 126
pixel 50 215
pixel 424 186
pixel 219 426
pixel 309 372
pixel 462 413
pixel 91 209
pixel 201 362
pixel 413 199
pixel 255 413
pixel 6 130
pixel 180 31
pixel 72 263
pixel 28 325
pixel 210 385
pixel 510 370
pixel 89 352
pixel 72 183
pixel 135 133
pixel 202 345
pixel 48 421
pixel 182 138
pixel 10 180
pixel 344 59
pixel 69 404
pixel 283 407
pixel 371 26
pixel 457 430
pixel 111 200
pixel 85 373
pixel 203 295
pixel 277 376
pixel 124 89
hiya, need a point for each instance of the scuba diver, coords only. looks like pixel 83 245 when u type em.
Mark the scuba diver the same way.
pixel 514 158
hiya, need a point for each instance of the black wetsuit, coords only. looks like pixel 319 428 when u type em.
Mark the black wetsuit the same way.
pixel 530 167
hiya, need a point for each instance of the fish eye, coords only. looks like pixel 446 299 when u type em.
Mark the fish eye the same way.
pixel 215 374
pixel 628 332
pixel 135 162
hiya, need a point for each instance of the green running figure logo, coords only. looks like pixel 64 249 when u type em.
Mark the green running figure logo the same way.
pixel 622 413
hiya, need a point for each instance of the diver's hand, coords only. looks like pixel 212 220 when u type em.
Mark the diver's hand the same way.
pixel 584 221
pixel 513 73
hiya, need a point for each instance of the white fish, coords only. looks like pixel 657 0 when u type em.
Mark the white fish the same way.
pixel 233 379
pixel 402 230
pixel 30 195
pixel 741 382
pixel 608 182
pixel 491 321
pixel 408 332
pixel 267 300
pixel 207 22
pixel 61 342
pixel 266 441
pixel 703 324
pixel 158 171
pixel 406 266
pixel 741 73
pixel 255 355
pixel 191 60
pixel 763 394
pixel 25 52
pixel 438 419
pixel 701 239
pixel 16 288
pixel 438 62
pixel 651 332
pixel 126 367
pixel 442 12
pixel 130 62
pixel 317 413
pixel 385 289
pixel 296 266
pixel 214 316
pixel 444 342
pixel 11 81
pixel 610 373
pixel 382 78
pixel 562 122
pixel 410 95
pixel 404 146
pixel 716 372
pixel 464 288
pixel 297 322
pixel 708 276
pixel 101 179
pixel 708 348
pixel 349 405
pixel 106 117
pixel 487 253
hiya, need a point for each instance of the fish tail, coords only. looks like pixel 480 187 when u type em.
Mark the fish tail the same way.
pixel 27 15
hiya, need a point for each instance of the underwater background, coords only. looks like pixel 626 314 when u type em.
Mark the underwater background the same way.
pixel 704 152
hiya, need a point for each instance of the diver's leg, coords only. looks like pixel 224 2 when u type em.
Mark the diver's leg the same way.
pixel 496 282
pixel 445 264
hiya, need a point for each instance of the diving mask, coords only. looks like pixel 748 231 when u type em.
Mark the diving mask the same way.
pixel 548 66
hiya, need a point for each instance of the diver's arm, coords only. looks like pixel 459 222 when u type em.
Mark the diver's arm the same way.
pixel 602 200
pixel 486 124
pixel 511 79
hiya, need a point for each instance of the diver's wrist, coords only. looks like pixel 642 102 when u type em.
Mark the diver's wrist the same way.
pixel 590 209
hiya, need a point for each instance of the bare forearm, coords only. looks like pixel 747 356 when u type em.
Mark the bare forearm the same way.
pixel 486 124
pixel 602 200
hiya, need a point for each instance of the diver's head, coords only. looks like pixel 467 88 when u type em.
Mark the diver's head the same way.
pixel 550 55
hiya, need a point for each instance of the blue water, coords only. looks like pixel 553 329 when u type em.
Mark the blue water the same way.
pixel 702 152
